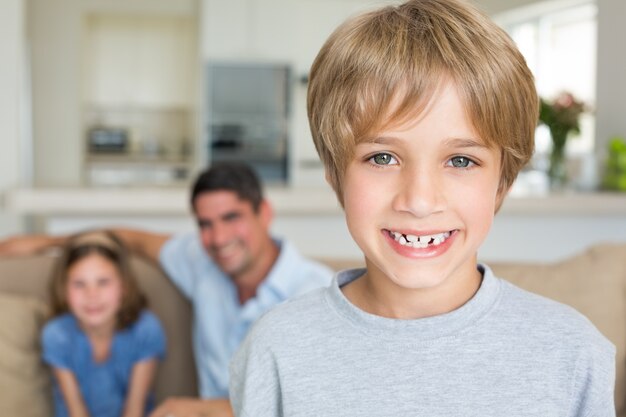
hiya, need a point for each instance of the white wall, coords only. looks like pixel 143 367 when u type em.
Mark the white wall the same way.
pixel 11 101
pixel 54 29
pixel 611 73
pixel 497 6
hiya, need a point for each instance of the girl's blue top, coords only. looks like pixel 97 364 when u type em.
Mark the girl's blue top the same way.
pixel 103 385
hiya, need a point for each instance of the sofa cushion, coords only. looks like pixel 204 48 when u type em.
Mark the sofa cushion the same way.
pixel 27 275
pixel 176 374
pixel 24 379
pixel 594 284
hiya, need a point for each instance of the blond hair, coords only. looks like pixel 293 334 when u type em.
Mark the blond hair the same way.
pixel 383 67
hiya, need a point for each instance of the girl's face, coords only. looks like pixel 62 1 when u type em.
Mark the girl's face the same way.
pixel 94 292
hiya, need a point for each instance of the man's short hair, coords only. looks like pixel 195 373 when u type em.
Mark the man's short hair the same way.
pixel 381 69
pixel 230 176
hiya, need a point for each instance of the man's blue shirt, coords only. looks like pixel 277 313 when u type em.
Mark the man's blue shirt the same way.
pixel 220 321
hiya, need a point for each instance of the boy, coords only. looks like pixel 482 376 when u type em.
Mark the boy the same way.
pixel 423 114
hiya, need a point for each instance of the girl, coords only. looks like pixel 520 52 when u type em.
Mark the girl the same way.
pixel 102 344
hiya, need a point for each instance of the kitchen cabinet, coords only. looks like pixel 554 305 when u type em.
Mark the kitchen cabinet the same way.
pixel 271 30
pixel 284 32
pixel 139 61
pixel 248 30
pixel 140 78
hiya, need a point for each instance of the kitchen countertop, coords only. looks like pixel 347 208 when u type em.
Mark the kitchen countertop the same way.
pixel 286 201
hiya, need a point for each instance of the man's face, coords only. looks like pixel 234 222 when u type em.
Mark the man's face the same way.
pixel 232 233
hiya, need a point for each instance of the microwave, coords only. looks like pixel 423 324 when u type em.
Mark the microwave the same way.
pixel 107 140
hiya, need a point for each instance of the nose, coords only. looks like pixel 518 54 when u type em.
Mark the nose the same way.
pixel 419 192
pixel 217 236
pixel 91 291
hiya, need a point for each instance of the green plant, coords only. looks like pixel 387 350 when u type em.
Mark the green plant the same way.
pixel 615 171
pixel 562 115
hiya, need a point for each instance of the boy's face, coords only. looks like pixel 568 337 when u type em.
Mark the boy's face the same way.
pixel 420 199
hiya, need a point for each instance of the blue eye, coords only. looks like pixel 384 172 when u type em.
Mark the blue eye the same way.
pixel 383 159
pixel 461 162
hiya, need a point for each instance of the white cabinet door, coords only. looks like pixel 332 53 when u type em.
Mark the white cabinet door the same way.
pixel 109 60
pixel 165 49
pixel 139 61
pixel 246 30
pixel 274 30
pixel 224 29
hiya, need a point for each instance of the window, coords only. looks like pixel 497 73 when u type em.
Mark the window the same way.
pixel 558 40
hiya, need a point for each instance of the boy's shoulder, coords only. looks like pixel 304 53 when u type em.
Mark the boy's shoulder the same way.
pixel 304 311
pixel 304 317
pixel 545 318
pixel 298 309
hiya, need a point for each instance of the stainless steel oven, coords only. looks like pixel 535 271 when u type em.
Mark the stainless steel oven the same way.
pixel 248 111
pixel 107 140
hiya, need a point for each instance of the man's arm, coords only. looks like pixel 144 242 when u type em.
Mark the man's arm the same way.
pixel 147 244
pixel 185 406
pixel 21 245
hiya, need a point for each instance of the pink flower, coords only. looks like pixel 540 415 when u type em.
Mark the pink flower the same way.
pixel 565 100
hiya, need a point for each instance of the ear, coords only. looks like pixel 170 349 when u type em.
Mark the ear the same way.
pixel 266 213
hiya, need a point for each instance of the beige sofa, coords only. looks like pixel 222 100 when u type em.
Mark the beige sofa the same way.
pixel 592 282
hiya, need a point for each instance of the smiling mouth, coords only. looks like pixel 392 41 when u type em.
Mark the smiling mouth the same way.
pixel 225 251
pixel 419 242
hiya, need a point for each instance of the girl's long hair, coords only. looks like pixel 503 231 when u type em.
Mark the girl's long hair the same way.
pixel 108 246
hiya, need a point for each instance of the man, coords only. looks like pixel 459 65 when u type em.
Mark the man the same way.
pixel 232 271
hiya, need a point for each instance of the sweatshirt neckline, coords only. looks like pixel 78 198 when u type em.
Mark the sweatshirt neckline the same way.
pixel 427 328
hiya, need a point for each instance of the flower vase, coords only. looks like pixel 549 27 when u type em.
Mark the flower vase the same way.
pixel 557 173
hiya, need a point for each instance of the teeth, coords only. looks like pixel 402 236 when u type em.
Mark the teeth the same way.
pixel 412 238
pixel 420 242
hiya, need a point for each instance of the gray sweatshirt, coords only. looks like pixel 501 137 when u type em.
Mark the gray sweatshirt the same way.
pixel 506 352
